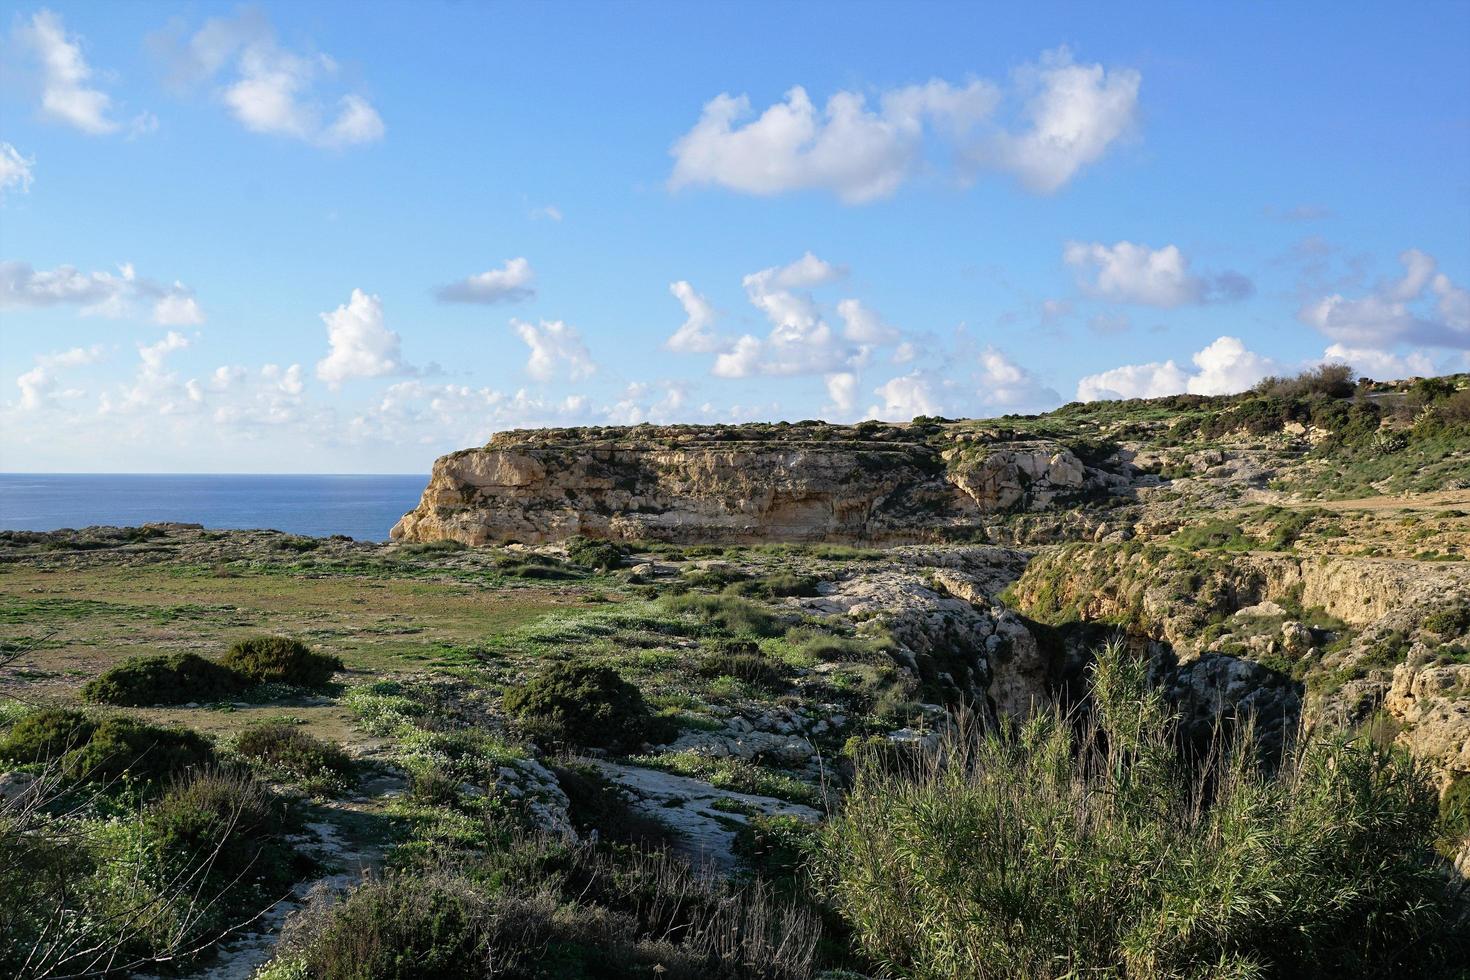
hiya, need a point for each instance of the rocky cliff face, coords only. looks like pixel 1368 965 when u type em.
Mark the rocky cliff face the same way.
pixel 734 484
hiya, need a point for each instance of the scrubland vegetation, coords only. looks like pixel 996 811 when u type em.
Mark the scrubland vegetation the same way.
pixel 317 758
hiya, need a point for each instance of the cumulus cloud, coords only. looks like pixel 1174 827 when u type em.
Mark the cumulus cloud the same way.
pixel 1130 273
pixel 801 341
pixel 510 283
pixel 557 350
pixel 15 171
pixel 1224 367
pixel 846 148
pixel 67 92
pixel 1381 364
pixel 155 388
pixel 1422 306
pixel 907 396
pixel 267 88
pixel 40 385
pixel 842 391
pixel 361 345
pixel 697 335
pixel 862 152
pixel 1076 112
pixel 862 326
pixel 1002 383
pixel 114 295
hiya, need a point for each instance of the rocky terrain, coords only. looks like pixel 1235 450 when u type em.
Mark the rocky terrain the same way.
pixel 779 602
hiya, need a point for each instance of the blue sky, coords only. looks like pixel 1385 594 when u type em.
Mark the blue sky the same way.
pixel 320 237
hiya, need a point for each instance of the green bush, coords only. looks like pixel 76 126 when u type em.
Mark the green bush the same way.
pixel 601 555
pixel 44 735
pixel 1214 534
pixel 585 706
pixel 224 822
pixel 750 666
pixel 282 749
pixel 727 612
pixel 166 679
pixel 776 586
pixel 280 660
pixel 147 753
pixel 1076 846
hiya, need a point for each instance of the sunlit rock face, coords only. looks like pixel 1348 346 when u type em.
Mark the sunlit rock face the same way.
pixel 737 484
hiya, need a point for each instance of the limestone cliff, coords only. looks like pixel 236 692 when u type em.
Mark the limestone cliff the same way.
pixel 732 484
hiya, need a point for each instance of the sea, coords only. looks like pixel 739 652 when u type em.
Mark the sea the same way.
pixel 361 506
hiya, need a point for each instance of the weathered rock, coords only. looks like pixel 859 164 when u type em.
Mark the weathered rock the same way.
pixel 1432 703
pixel 809 482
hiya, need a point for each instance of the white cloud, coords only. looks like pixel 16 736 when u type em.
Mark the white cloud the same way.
pixel 846 148
pixel 907 396
pixel 1380 364
pixel 39 386
pixel 361 346
pixel 550 212
pixel 556 348
pixel 155 389
pixel 1420 307
pixel 801 341
pixel 1129 273
pixel 15 171
pixel 1076 112
pixel 177 309
pixel 1073 114
pixel 842 390
pixel 697 335
pixel 1224 367
pixel 862 326
pixel 1005 384
pixel 104 294
pixel 508 284
pixel 66 94
pixel 268 89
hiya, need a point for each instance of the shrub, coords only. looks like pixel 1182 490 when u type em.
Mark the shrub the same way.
pixel 1086 844
pixel 777 586
pixel 584 705
pixel 167 679
pixel 402 928
pixel 284 750
pixel 1331 380
pixel 1213 534
pixel 224 821
pixel 753 668
pixel 45 735
pixel 144 752
pixel 727 612
pixel 281 660
pixel 601 555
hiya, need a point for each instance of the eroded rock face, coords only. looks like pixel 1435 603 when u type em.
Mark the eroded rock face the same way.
pixel 690 484
pixel 1432 703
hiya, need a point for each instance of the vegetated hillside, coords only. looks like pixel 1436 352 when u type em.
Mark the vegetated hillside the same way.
pixel 1176 687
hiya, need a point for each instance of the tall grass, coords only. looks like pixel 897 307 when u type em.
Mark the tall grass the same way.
pixel 1080 844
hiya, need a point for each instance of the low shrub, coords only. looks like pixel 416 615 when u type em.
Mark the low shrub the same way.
pixel 598 807
pixel 284 750
pixel 222 821
pixel 555 912
pixel 603 556
pixel 1220 534
pixel 165 679
pixel 584 705
pixel 727 612
pixel 777 586
pixel 1087 845
pixel 143 752
pixel 281 660
pixel 45 735
pixel 750 666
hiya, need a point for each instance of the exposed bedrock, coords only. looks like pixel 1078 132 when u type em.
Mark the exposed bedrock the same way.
pixel 736 484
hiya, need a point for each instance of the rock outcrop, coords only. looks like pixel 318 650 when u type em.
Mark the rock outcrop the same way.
pixel 756 483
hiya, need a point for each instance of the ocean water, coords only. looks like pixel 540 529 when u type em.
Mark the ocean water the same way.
pixel 361 506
